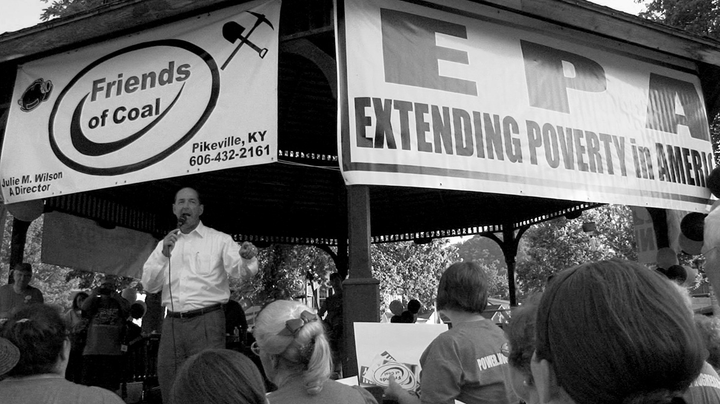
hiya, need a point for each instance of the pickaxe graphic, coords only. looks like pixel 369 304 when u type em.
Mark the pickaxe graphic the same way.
pixel 232 31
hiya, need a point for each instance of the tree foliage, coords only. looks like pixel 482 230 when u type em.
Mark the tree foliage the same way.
pixel 64 8
pixel 286 272
pixel 407 270
pixel 558 244
pixel 489 256
pixel 700 17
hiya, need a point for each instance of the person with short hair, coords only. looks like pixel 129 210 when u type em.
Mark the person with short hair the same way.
pixel 520 332
pixel 107 312
pixel 466 362
pixel 77 327
pixel 413 308
pixel 40 334
pixel 295 353
pixel 396 308
pixel 614 332
pixel 218 376
pixel 18 294
pixel 191 266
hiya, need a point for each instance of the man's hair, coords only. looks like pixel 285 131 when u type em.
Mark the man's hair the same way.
pixel 218 376
pixel 23 267
pixel 199 198
pixel 414 306
pixel 39 332
pixel 463 287
pixel 615 331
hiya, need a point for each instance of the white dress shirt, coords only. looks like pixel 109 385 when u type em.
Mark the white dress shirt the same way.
pixel 199 266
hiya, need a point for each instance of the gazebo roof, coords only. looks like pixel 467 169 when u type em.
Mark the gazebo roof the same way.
pixel 302 197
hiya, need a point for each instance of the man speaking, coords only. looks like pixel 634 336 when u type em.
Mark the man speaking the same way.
pixel 191 266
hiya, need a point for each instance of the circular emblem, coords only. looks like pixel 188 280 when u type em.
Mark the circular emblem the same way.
pixel 403 375
pixel 134 107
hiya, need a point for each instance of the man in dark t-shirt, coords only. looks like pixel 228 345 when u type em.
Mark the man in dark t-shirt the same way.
pixel 18 294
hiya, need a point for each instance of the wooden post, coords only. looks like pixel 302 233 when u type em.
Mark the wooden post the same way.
pixel 361 293
pixel 17 244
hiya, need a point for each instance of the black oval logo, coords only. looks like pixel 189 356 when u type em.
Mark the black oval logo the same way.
pixel 116 117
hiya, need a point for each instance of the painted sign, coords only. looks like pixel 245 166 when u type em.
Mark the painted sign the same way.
pixel 189 97
pixel 465 96
pixel 397 352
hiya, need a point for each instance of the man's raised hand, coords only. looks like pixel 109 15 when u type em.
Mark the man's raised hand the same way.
pixel 248 250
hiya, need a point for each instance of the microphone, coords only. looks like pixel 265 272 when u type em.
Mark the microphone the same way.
pixel 180 221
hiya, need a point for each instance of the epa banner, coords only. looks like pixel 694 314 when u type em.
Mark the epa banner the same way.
pixel 189 97
pixel 466 96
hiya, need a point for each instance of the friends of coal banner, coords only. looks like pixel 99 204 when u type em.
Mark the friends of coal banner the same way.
pixel 465 96
pixel 193 96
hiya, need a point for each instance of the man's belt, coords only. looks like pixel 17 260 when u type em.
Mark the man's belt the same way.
pixel 194 313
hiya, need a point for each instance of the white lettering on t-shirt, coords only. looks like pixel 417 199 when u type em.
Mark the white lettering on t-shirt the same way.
pixel 491 361
pixel 705 380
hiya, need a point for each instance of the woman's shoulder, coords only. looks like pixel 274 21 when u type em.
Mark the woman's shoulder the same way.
pixel 332 392
pixel 349 394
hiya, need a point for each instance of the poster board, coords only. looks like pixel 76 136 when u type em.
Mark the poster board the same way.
pixel 392 348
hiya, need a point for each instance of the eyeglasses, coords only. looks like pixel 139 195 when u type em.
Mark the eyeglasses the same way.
pixel 255 348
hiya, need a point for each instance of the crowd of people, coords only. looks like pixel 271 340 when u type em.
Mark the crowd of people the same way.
pixel 98 327
pixel 601 332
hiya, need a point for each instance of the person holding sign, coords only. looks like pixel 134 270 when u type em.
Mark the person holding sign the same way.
pixel 191 266
pixel 465 363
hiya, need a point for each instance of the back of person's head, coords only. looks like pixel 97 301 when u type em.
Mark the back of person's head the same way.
pixel 414 306
pixel 709 328
pixel 463 287
pixel 218 376
pixel 39 333
pixel 614 332
pixel 396 307
pixel 292 333
pixel 520 332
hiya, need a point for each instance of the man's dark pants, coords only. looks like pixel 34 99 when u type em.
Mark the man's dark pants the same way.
pixel 184 337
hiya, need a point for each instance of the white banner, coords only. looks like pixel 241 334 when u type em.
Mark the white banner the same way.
pixel 445 95
pixel 189 97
